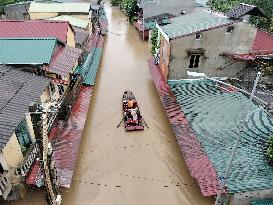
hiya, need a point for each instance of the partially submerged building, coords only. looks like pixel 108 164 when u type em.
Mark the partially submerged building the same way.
pixel 18 148
pixel 201 42
pixel 17 11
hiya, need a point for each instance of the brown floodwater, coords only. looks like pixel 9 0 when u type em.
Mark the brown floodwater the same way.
pixel 116 167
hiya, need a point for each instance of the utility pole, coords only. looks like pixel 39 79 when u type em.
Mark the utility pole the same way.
pixel 54 198
pixel 255 85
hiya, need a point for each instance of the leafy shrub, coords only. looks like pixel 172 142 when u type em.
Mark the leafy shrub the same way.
pixel 269 150
pixel 154 41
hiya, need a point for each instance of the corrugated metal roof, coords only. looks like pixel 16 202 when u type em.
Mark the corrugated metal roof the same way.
pixel 40 7
pixel 263 43
pixel 195 22
pixel 213 115
pixel 244 9
pixel 262 202
pixel 34 29
pixel 65 61
pixel 26 51
pixel 18 90
pixel 91 74
pixel 77 22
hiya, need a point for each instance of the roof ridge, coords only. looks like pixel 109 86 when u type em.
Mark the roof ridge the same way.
pixel 48 38
pixel 34 21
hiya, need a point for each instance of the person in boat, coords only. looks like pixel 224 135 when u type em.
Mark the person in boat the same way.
pixel 130 103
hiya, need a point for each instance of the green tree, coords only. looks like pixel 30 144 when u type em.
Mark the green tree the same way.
pixel 128 6
pixel 3 3
pixel 154 41
pixel 269 150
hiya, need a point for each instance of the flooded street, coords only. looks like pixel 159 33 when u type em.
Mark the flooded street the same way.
pixel 120 168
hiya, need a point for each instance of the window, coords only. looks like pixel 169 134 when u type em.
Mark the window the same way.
pixel 230 29
pixel 194 61
pixel 52 87
pixel 198 36
pixel 61 89
pixel 1 169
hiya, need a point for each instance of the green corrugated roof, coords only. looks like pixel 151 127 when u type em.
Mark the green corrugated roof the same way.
pixel 213 115
pixel 262 202
pixel 26 50
pixel 192 23
pixel 92 72
pixel 72 20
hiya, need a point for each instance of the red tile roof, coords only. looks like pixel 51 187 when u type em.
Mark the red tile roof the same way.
pixel 34 28
pixel 263 43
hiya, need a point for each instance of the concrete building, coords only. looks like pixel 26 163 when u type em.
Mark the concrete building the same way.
pixel 44 10
pixel 18 11
pixel 203 42
pixel 17 139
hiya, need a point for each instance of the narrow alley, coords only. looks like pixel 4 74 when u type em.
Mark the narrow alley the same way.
pixel 116 167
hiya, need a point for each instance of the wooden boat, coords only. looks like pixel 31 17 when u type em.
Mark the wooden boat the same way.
pixel 133 121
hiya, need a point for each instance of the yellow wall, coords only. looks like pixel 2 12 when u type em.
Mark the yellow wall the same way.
pixel 45 96
pixel 71 38
pixel 12 152
pixel 34 16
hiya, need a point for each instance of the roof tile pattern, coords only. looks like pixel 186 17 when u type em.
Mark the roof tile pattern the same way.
pixel 193 23
pixel 18 90
pixel 26 51
pixel 65 61
pixel 34 29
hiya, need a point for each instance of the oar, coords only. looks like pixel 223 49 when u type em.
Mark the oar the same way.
pixel 119 123
pixel 145 123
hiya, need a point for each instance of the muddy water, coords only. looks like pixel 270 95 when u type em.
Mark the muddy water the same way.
pixel 118 168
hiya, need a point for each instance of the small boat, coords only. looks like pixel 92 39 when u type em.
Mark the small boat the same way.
pixel 133 120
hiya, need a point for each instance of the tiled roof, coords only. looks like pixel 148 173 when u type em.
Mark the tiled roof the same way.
pixel 263 43
pixel 40 7
pixel 26 51
pixel 244 9
pixel 34 29
pixel 18 90
pixel 77 22
pixel 64 61
pixel 213 115
pixel 193 23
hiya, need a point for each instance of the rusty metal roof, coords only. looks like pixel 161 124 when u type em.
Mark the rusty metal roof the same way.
pixel 18 90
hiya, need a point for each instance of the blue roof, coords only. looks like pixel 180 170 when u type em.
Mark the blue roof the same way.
pixel 213 115
pixel 26 50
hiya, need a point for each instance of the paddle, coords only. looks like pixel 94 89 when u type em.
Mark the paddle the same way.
pixel 119 123
pixel 145 123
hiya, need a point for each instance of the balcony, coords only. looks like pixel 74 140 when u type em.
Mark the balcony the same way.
pixel 30 158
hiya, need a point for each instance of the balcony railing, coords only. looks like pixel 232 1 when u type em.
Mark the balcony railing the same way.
pixel 5 185
pixel 30 157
